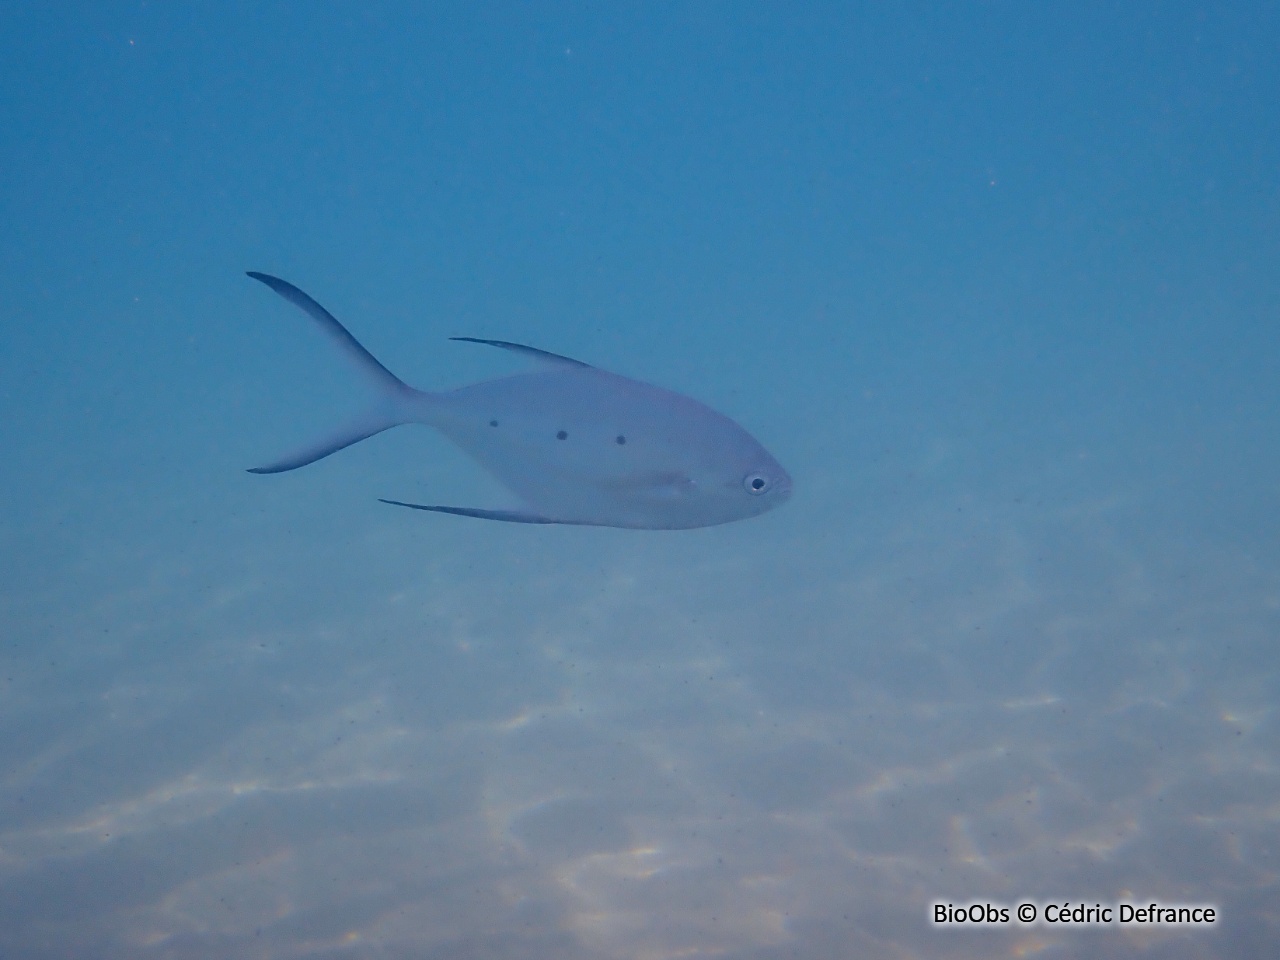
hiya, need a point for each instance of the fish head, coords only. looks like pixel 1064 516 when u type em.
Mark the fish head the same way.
pixel 744 480
pixel 725 476
pixel 758 484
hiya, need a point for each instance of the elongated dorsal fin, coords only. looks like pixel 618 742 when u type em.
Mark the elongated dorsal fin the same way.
pixel 544 355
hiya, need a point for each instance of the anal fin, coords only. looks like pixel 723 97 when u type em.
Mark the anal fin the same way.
pixel 508 516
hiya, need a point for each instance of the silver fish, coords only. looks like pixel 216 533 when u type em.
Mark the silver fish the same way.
pixel 577 444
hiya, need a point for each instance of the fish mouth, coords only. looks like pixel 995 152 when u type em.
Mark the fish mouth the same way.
pixel 781 488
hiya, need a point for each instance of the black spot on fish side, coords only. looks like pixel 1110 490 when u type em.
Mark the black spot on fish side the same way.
pixel 562 435
pixel 493 423
pixel 621 440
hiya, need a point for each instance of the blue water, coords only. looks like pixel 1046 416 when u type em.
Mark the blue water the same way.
pixel 997 283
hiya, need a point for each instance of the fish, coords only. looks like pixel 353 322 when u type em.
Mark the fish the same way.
pixel 575 444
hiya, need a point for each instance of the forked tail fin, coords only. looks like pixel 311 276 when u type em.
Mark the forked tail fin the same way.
pixel 397 400
pixel 353 431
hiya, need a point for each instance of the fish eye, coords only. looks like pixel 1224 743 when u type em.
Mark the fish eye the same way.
pixel 755 484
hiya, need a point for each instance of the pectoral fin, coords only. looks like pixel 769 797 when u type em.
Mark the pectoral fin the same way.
pixel 666 485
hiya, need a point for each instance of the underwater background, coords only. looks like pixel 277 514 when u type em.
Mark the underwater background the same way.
pixel 998 284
